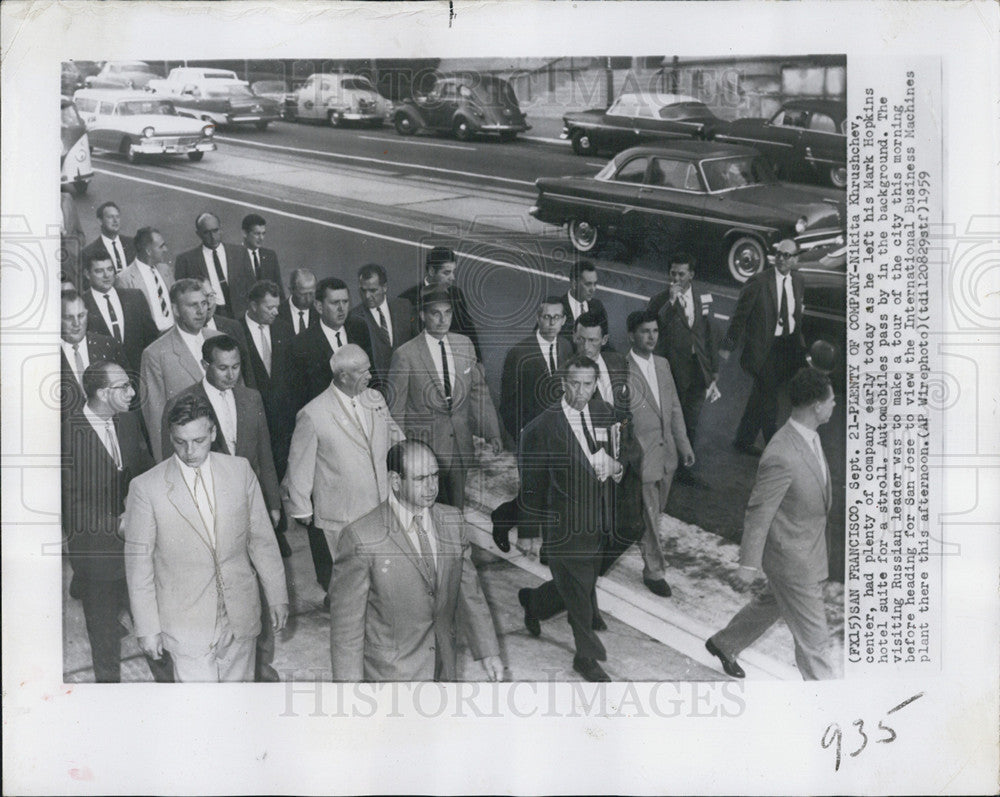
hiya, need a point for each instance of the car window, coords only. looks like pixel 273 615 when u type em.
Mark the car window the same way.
pixel 447 91
pixel 822 123
pixel 145 108
pixel 623 106
pixel 86 105
pixel 791 118
pixel 643 111
pixel 736 172
pixel 357 84
pixel 668 173
pixel 633 171
pixel 107 108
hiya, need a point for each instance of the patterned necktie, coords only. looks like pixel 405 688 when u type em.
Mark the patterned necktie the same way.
pixel 160 293
pixel 446 378
pixel 425 547
pixel 222 278
pixel 229 422
pixel 112 443
pixel 78 363
pixel 265 349
pixel 204 504
pixel 552 359
pixel 591 443
pixel 115 246
pixel 115 330
pixel 382 323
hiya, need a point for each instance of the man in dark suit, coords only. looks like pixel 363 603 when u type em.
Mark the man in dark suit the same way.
pixel 261 262
pixel 224 265
pixel 580 298
pixel 270 361
pixel 590 338
pixel 241 431
pixel 530 382
pixel 684 319
pixel 103 448
pixel 784 537
pixel 78 348
pixel 119 313
pixel 768 321
pixel 120 249
pixel 299 309
pixel 440 272
pixel 228 326
pixel 312 349
pixel 570 458
pixel 389 321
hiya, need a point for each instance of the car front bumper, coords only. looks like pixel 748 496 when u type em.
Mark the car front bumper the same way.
pixel 171 147
pixel 810 239
pixel 504 128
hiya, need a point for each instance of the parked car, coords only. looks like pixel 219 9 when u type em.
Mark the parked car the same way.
pixel 181 76
pixel 273 90
pixel 74 164
pixel 122 75
pixel 718 201
pixel 336 99
pixel 636 119
pixel 223 102
pixel 70 79
pixel 805 140
pixel 464 105
pixel 137 123
pixel 824 298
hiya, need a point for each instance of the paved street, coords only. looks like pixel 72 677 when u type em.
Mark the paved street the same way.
pixel 335 199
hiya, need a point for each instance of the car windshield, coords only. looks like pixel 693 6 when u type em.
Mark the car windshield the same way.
pixel 686 110
pixel 145 108
pixel 357 84
pixel 133 66
pixel 269 87
pixel 495 92
pixel 723 174
pixel 234 91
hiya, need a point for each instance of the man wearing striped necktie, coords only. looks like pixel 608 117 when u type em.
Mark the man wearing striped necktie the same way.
pixel 151 273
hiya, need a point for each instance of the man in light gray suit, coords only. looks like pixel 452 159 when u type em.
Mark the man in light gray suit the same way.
pixel 437 393
pixel 784 535
pixel 403 582
pixel 172 362
pixel 336 463
pixel 151 273
pixel 658 422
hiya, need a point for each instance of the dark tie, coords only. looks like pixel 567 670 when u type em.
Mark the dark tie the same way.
pixel 339 344
pixel 591 443
pixel 302 320
pixel 381 320
pixel 444 373
pixel 425 548
pixel 255 259
pixel 222 279
pixel 119 265
pixel 552 359
pixel 783 309
pixel 115 329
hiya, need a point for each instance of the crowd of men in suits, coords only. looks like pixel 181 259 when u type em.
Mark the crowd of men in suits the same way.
pixel 203 408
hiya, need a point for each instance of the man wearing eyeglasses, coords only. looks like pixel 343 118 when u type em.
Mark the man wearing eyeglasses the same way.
pixel 768 321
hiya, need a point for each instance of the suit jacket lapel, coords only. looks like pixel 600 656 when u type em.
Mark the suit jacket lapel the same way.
pixel 185 357
pixel 807 454
pixel 345 419
pixel 180 496
pixel 401 540
pixel 572 444
pixel 243 436
pixel 430 368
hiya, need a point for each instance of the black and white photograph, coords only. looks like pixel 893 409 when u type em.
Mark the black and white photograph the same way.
pixel 619 383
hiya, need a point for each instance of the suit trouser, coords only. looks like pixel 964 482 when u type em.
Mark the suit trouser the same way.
pixel 574 588
pixel 224 661
pixel 654 501
pixel 761 411
pixel 264 654
pixel 801 606
pixel 692 399
pixel 322 546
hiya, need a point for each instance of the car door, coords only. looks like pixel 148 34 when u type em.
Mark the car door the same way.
pixel 308 97
pixel 617 205
pixel 671 204
pixel 441 104
pixel 823 145
pixel 784 146
pixel 102 133
pixel 618 130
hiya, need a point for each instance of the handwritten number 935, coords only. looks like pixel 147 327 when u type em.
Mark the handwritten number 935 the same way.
pixel 833 736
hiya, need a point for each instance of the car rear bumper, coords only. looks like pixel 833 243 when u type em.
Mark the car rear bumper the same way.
pixel 504 128
pixel 252 118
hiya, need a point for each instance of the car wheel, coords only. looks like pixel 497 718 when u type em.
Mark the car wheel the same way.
pixel 838 176
pixel 462 129
pixel 583 144
pixel 746 258
pixel 196 156
pixel 507 136
pixel 130 154
pixel 583 235
pixel 80 187
pixel 262 125
pixel 404 124
pixel 334 118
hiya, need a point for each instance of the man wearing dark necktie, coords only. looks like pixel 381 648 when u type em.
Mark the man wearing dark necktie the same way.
pixel 389 321
pixel 581 298
pixel 784 537
pixel 299 308
pixel 79 347
pixel 590 339
pixel 262 262
pixel 437 394
pixel 120 249
pixel 224 265
pixel 768 321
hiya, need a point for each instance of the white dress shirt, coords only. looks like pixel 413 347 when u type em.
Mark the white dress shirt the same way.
pixel 547 347
pixel 101 300
pixel 296 320
pixel 600 436
pixel 812 440
pixel 434 347
pixel 331 336
pixel 224 404
pixel 164 318
pixel 783 282
pixel 384 307
pixel 405 517
pixel 206 253
pixel 194 344
pixel 71 357
pixel 203 494
pixel 106 432
pixel 115 246
pixel 687 303
pixel 604 385
pixel 577 308
pixel 648 369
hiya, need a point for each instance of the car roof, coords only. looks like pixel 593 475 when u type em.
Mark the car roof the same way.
pixel 482 77
pixel 114 95
pixel 835 108
pixel 659 100
pixel 691 149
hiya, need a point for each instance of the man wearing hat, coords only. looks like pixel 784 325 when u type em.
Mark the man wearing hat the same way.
pixel 768 322
pixel 438 395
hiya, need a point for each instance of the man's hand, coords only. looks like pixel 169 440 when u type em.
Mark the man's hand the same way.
pixel 306 521
pixel 687 457
pixel 604 465
pixel 712 393
pixel 152 646
pixel 529 546
pixel 275 517
pixel 279 616
pixel 675 290
pixel 496 444
pixel 746 576
pixel 493 667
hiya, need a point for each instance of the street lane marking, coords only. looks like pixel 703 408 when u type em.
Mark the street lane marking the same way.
pixel 363 159
pixel 401 140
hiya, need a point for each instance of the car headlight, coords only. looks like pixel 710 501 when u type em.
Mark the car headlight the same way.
pixel 208 130
pixel 801 224
pixel 148 132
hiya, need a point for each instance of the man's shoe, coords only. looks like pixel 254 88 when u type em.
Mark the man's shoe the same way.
pixel 501 538
pixel 751 449
pixel 657 586
pixel 590 669
pixel 504 518
pixel 533 624
pixel 598 624
pixel 266 674
pixel 283 546
pixel 684 476
pixel 728 665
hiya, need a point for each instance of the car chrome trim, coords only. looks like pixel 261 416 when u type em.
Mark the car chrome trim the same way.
pixel 725 137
